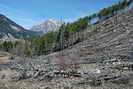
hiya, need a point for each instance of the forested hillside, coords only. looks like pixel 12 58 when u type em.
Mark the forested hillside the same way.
pixel 59 40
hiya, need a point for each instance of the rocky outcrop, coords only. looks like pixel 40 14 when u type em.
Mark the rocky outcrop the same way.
pixel 47 26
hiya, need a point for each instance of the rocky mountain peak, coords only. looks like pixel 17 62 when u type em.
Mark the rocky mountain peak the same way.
pixel 47 26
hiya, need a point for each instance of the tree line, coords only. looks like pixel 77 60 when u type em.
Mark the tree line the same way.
pixel 110 11
pixel 20 48
pixel 54 41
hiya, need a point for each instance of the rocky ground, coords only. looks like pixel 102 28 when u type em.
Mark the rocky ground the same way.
pixel 103 60
pixel 110 74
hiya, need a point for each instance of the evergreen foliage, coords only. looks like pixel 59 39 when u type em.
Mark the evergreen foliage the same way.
pixel 52 41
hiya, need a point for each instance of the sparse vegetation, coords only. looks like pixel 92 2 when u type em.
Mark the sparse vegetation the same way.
pixel 55 41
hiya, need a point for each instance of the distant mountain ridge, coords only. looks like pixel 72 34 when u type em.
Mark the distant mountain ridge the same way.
pixel 9 29
pixel 47 26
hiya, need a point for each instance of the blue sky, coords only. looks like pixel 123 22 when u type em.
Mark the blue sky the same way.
pixel 30 12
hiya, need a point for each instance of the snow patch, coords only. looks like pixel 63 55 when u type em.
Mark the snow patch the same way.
pixel 15 28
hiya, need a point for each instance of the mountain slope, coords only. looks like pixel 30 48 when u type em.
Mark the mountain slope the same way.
pixel 111 38
pixel 47 26
pixel 9 28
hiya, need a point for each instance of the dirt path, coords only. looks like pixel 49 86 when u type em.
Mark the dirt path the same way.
pixel 5 71
pixel 4 59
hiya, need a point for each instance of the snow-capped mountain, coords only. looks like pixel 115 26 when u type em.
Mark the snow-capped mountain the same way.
pixel 47 26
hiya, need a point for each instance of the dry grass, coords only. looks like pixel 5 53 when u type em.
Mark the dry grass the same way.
pixel 7 71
